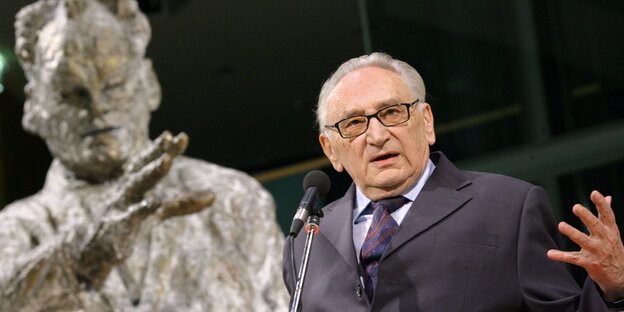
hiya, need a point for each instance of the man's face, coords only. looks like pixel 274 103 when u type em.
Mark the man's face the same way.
pixel 90 91
pixel 383 161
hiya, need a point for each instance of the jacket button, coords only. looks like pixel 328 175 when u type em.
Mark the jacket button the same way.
pixel 358 290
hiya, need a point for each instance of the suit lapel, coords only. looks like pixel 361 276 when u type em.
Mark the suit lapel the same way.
pixel 337 227
pixel 439 197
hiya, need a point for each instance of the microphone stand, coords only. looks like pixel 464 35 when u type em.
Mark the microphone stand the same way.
pixel 312 229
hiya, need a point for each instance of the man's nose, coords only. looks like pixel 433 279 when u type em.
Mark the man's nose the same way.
pixel 377 133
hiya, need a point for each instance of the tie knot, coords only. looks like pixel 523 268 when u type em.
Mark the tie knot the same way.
pixel 390 204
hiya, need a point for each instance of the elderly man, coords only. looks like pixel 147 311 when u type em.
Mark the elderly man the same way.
pixel 414 233
pixel 121 223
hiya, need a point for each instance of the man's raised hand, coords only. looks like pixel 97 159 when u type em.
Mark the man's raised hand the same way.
pixel 602 252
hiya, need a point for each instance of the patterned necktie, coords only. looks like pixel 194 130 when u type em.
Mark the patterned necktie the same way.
pixel 378 237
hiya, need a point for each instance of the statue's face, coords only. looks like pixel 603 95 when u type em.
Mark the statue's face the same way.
pixel 90 96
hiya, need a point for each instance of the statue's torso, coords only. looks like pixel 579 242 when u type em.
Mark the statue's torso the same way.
pixel 224 258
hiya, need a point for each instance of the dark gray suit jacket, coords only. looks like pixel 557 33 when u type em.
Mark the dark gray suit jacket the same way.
pixel 470 242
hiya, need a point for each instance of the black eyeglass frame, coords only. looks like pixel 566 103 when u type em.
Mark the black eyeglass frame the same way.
pixel 375 115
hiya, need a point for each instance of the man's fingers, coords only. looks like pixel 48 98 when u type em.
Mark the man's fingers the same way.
pixel 572 257
pixel 187 204
pixel 603 206
pixel 608 199
pixel 575 235
pixel 594 225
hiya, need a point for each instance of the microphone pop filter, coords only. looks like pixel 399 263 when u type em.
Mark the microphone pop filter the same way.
pixel 319 179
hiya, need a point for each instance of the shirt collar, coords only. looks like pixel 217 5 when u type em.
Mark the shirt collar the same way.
pixel 411 193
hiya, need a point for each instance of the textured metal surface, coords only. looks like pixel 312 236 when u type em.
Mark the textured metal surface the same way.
pixel 124 223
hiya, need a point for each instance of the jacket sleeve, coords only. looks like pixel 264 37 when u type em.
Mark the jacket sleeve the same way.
pixel 546 285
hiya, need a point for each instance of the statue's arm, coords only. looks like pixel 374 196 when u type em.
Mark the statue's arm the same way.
pixel 33 275
pixel 53 272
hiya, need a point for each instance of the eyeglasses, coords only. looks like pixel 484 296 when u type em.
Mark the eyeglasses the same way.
pixel 388 116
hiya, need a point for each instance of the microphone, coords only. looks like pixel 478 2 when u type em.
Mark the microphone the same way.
pixel 316 184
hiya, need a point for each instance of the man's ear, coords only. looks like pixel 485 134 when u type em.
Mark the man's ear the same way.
pixel 327 149
pixel 429 130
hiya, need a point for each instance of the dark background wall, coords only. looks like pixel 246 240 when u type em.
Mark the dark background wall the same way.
pixel 532 89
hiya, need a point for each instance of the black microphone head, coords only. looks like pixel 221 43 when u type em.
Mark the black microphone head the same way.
pixel 319 179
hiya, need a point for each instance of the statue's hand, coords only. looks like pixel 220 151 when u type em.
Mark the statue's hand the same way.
pixel 186 204
pixel 109 240
pixel 146 169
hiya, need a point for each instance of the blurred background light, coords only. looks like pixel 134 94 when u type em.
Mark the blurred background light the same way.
pixel 3 66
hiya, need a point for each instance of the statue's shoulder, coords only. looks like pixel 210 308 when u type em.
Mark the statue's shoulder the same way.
pixel 29 210
pixel 239 197
pixel 195 174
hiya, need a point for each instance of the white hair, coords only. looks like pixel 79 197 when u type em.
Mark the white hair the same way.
pixel 408 73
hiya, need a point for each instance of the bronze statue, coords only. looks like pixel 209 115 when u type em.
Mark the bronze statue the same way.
pixel 124 223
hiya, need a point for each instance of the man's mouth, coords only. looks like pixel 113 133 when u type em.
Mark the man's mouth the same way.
pixel 383 157
pixel 98 131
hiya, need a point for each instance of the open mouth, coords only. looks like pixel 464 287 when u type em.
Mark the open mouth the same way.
pixel 98 131
pixel 384 157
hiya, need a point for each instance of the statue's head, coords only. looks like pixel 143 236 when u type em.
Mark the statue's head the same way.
pixel 90 89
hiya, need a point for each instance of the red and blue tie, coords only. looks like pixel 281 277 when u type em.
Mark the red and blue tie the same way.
pixel 378 237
